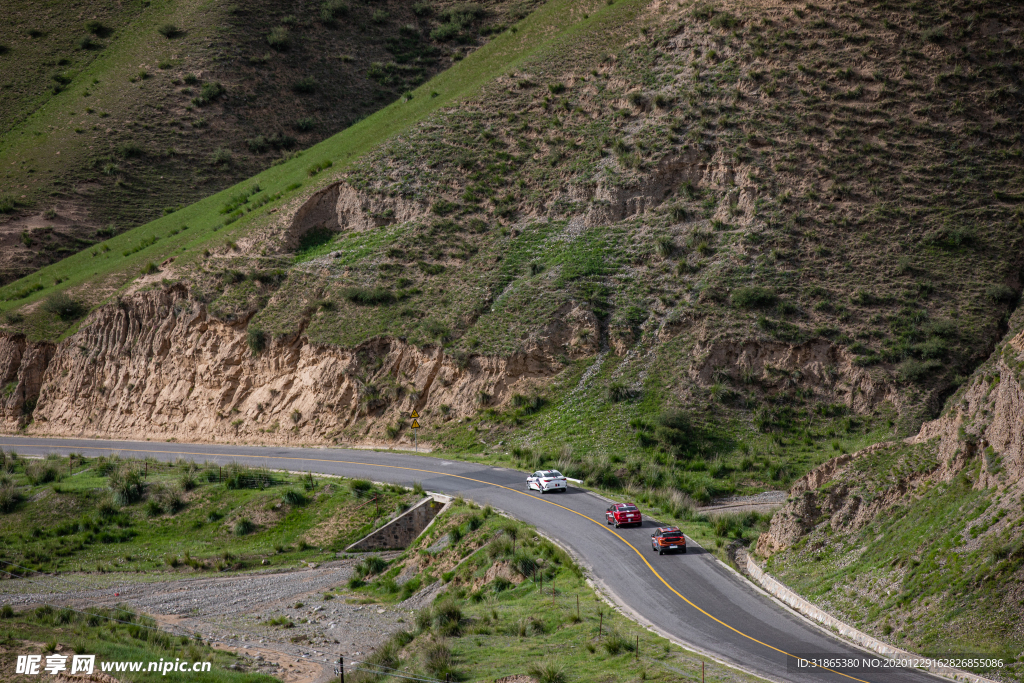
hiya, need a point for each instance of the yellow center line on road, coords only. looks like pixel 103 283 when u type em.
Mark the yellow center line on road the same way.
pixel 487 483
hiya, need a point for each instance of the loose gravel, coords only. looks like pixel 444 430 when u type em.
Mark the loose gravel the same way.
pixel 231 612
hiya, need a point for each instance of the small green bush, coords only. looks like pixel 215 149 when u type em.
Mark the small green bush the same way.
pixel 524 564
pixel 619 391
pixel 725 21
pixel 374 564
pixel 150 268
pixel 912 370
pixel 360 487
pixel 935 34
pixel 448 617
pixel 445 32
pixel 753 297
pixel 244 527
pixel 364 296
pixel 1001 294
pixel 126 483
pixel 256 339
pixel 615 642
pixel 548 673
pixel 210 92
pixel 169 31
pixel 221 156
pixel 279 38
pixel 10 496
pixel 319 166
pixel 305 86
pixel 439 661
pixel 64 307
pixel 331 10
pixel 40 472
pixel 129 150
pixel 188 479
pixel 293 497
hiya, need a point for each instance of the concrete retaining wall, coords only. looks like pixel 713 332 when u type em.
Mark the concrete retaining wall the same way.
pixel 402 530
pixel 808 609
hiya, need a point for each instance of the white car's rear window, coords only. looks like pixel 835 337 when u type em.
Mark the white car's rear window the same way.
pixel 551 473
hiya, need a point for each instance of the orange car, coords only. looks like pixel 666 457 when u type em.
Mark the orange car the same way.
pixel 668 539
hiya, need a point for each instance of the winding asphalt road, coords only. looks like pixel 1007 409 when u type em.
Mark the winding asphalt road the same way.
pixel 691 598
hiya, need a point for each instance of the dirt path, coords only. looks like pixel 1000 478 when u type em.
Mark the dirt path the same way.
pixel 231 613
pixel 767 502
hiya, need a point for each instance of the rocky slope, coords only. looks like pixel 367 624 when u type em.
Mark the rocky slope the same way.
pixel 902 535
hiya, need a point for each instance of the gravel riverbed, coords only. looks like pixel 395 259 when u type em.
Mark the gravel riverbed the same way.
pixel 231 612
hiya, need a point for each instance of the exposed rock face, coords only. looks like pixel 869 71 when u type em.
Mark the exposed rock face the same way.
pixel 341 207
pixel 22 365
pixel 807 506
pixel 818 363
pixel 988 420
pixel 613 203
pixel 157 365
pixel 986 424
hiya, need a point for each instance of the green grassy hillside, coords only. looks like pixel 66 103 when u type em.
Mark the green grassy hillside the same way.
pixel 796 232
pixel 111 515
pixel 114 114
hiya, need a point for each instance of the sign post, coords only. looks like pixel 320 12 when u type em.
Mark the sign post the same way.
pixel 415 426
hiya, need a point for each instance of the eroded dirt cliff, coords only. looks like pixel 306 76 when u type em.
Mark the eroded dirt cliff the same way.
pixel 158 365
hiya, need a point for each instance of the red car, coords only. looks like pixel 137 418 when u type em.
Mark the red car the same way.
pixel 668 539
pixel 623 513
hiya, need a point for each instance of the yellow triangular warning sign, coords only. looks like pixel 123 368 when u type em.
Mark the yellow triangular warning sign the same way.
pixel 415 414
pixel 415 424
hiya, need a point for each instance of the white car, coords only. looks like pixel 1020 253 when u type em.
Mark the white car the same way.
pixel 546 480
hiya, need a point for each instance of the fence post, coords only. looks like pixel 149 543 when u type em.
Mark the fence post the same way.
pixel 341 667
pixel 600 624
pixel 638 647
